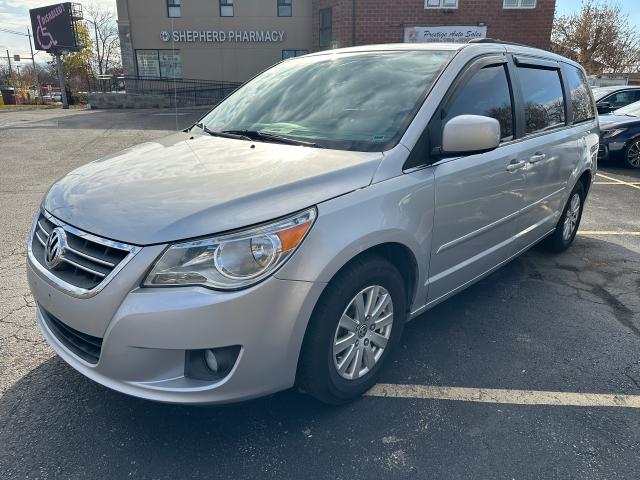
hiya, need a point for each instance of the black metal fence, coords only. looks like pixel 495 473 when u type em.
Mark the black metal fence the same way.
pixel 182 93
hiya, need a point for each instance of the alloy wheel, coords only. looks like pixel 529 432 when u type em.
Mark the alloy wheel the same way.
pixel 571 217
pixel 633 154
pixel 363 332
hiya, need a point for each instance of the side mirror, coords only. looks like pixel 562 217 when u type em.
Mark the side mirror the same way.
pixel 470 134
pixel 603 107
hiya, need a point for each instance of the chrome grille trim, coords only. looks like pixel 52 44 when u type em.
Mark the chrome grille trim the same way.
pixel 38 230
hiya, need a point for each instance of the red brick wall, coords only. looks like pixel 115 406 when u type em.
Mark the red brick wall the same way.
pixel 383 21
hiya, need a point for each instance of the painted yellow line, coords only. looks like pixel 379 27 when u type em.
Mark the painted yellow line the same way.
pixel 621 182
pixel 494 395
pixel 616 183
pixel 596 232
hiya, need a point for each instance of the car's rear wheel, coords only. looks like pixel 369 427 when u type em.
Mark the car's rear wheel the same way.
pixel 632 154
pixel 356 325
pixel 569 222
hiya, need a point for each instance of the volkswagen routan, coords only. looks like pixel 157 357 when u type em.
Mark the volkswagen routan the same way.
pixel 286 237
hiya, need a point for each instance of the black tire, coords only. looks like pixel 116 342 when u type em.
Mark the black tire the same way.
pixel 556 242
pixel 631 153
pixel 317 373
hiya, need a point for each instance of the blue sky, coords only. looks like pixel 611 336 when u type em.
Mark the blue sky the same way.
pixel 632 7
pixel 14 15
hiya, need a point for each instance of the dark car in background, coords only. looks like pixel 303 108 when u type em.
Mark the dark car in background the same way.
pixel 609 99
pixel 620 135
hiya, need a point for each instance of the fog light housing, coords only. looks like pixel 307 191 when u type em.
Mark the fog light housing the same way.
pixel 210 364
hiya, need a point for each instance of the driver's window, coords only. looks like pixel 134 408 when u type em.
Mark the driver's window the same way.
pixel 488 94
pixel 622 99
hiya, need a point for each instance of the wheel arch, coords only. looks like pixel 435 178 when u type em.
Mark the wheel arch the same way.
pixel 399 254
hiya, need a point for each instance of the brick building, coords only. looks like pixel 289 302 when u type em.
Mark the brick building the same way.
pixel 234 39
pixel 383 21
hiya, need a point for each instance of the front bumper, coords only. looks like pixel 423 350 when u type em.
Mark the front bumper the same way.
pixel 607 150
pixel 144 343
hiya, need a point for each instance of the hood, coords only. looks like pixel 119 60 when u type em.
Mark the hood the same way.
pixel 186 186
pixel 609 121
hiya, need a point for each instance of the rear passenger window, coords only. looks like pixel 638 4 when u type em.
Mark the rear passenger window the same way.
pixel 488 94
pixel 581 101
pixel 543 98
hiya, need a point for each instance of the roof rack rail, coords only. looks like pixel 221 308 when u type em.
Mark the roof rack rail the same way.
pixel 496 40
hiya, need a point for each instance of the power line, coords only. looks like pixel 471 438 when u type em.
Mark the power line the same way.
pixel 6 30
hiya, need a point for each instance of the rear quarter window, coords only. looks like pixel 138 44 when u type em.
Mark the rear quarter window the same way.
pixel 581 102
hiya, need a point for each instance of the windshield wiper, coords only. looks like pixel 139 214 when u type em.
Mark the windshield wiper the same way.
pixel 225 134
pixel 269 137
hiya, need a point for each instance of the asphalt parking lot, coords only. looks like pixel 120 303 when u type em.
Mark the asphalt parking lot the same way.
pixel 471 393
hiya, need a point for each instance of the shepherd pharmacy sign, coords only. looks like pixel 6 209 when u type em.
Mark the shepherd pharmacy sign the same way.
pixel 449 33
pixel 222 36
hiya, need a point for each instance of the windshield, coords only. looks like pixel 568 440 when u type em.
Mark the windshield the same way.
pixel 361 101
pixel 632 109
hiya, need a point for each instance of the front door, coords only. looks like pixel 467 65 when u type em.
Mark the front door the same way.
pixel 478 197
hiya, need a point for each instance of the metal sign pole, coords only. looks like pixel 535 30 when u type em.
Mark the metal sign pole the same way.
pixel 35 70
pixel 65 101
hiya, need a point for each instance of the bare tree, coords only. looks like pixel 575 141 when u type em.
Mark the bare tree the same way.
pixel 600 37
pixel 102 25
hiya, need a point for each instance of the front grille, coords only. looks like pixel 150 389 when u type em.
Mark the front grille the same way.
pixel 87 260
pixel 84 346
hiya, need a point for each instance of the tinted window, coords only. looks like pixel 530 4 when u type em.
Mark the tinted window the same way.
pixel 345 101
pixel 623 98
pixel 580 98
pixel 543 99
pixel 487 93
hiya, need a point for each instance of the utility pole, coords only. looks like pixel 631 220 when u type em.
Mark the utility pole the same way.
pixel 63 89
pixel 35 70
pixel 9 60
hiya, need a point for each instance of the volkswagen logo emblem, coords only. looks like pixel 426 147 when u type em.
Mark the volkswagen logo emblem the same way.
pixel 165 36
pixel 55 248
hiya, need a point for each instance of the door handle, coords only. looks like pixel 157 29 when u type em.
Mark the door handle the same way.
pixel 538 157
pixel 515 165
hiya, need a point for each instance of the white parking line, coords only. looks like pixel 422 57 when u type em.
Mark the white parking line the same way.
pixel 613 232
pixel 621 182
pixel 500 396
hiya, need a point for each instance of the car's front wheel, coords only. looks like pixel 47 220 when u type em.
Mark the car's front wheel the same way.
pixel 632 154
pixel 356 325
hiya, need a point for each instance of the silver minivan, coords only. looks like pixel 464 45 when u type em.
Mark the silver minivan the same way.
pixel 286 238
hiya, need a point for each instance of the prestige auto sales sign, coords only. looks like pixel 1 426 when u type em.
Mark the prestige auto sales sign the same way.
pixel 222 36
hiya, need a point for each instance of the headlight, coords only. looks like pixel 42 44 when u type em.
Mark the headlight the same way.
pixel 233 261
pixel 613 133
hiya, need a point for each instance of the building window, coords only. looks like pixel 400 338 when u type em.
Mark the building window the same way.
pixel 293 53
pixel 159 63
pixel 173 8
pixel 325 27
pixel 226 8
pixel 284 8
pixel 441 4
pixel 519 4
